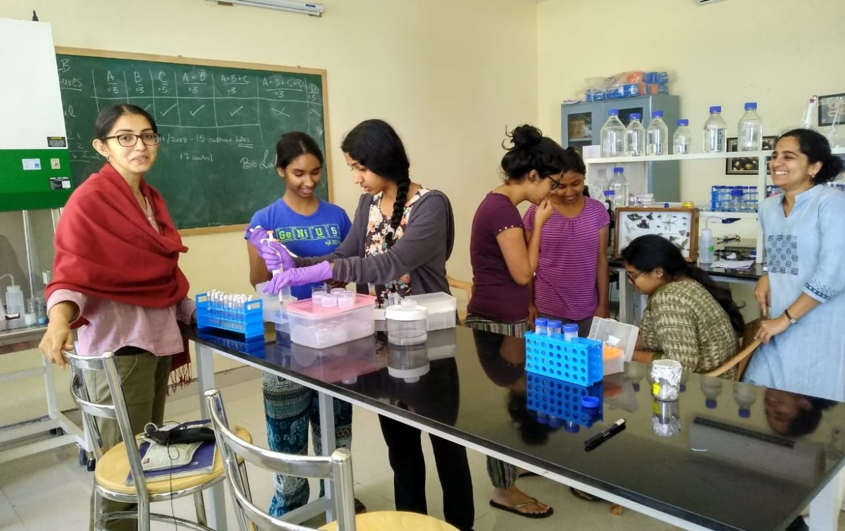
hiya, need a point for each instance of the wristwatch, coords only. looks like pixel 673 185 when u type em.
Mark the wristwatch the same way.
pixel 791 320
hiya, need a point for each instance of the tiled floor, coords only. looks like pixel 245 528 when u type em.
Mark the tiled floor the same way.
pixel 50 491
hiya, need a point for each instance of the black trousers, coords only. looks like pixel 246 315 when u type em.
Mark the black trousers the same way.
pixel 408 464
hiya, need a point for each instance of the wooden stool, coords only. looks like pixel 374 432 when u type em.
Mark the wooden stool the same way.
pixel 395 521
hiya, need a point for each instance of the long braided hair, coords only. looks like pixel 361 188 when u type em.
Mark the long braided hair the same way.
pixel 375 145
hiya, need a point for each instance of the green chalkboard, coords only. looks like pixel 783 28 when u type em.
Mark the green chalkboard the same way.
pixel 219 124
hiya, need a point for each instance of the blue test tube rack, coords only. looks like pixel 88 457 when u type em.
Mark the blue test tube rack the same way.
pixel 562 400
pixel 577 361
pixel 248 321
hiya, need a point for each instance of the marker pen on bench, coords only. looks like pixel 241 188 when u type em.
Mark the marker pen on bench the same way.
pixel 599 438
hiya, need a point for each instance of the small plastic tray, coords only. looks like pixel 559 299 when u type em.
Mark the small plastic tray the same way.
pixel 249 322
pixel 577 361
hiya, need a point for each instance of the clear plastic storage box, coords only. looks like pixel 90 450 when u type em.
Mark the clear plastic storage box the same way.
pixel 442 309
pixel 319 326
pixel 618 342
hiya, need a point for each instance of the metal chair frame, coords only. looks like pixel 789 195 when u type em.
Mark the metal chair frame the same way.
pixel 117 411
pixel 337 468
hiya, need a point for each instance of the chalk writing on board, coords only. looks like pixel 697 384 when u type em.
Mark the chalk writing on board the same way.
pixel 218 125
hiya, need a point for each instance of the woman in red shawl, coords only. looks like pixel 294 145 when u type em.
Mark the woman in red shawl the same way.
pixel 116 275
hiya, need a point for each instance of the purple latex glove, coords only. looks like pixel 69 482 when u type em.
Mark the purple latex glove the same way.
pixel 299 276
pixel 256 234
pixel 276 256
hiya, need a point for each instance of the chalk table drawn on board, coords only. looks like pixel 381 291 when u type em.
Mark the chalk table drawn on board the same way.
pixel 219 123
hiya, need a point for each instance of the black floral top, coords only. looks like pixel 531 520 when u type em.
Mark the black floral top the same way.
pixel 378 228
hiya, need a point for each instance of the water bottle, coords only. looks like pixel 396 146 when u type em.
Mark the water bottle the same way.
pixel 682 140
pixel 635 137
pixel 658 134
pixel 715 132
pixel 599 184
pixel 612 135
pixel 750 130
pixel 619 187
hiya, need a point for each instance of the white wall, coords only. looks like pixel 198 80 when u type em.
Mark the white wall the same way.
pixel 774 52
pixel 448 74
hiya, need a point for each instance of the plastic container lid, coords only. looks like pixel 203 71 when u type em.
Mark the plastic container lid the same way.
pixel 613 112
pixel 609 193
pixel 618 170
pixel 570 328
pixel 554 324
pixel 541 322
pixel 555 422
pixel 716 108
pixel 736 192
pixel 657 114
pixel 683 121
pixel 590 402
pixel 571 427
pixel 635 116
pixel 710 403
pixel 744 412
pixel 751 105
pixel 13 288
pixel 406 311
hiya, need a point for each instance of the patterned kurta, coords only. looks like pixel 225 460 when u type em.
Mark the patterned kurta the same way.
pixel 805 253
pixel 684 322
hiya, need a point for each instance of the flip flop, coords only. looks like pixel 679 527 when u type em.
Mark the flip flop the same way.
pixel 580 494
pixel 515 509
pixel 360 508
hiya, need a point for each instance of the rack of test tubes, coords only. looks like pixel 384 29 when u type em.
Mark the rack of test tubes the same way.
pixel 230 311
pixel 554 400
pixel 566 357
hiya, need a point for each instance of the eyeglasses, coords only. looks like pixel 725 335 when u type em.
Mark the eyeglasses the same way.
pixel 130 139
pixel 633 277
pixel 555 183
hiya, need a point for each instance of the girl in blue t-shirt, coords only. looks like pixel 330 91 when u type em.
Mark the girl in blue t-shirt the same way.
pixel 308 226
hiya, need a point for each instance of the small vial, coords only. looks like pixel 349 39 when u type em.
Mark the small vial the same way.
pixel 570 331
pixel 541 326
pixel 554 328
pixel 329 301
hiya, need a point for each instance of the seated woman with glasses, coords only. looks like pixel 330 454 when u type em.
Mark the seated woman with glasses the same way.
pixel 116 275
pixel 688 318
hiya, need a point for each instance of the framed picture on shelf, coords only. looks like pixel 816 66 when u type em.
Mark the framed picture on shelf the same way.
pixel 679 225
pixel 747 165
pixel 831 110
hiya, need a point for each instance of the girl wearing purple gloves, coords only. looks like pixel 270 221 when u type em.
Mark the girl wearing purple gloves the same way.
pixel 307 226
pixel 401 237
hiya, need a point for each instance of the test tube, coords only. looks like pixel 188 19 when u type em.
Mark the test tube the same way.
pixel 541 326
pixel 570 331
pixel 554 328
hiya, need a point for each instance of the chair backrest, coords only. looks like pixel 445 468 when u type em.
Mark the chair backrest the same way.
pixel 748 345
pixel 116 410
pixel 336 467
pixel 465 286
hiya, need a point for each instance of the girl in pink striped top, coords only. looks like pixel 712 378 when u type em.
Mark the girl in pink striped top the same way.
pixel 572 279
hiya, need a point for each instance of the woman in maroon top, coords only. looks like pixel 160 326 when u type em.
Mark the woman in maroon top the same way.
pixel 503 265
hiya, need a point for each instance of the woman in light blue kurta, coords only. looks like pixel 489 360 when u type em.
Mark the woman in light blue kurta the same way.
pixel 804 231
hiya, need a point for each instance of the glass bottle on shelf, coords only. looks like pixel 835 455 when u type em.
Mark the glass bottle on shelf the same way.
pixel 657 134
pixel 612 135
pixel 715 132
pixel 635 137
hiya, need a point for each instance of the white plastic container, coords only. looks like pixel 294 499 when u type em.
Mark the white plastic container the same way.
pixel 620 335
pixel 323 326
pixel 442 309
pixel 14 306
pixel 407 323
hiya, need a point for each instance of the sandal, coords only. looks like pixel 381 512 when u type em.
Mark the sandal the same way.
pixel 360 508
pixel 515 509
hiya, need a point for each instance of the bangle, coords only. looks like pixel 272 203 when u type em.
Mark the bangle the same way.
pixel 791 320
